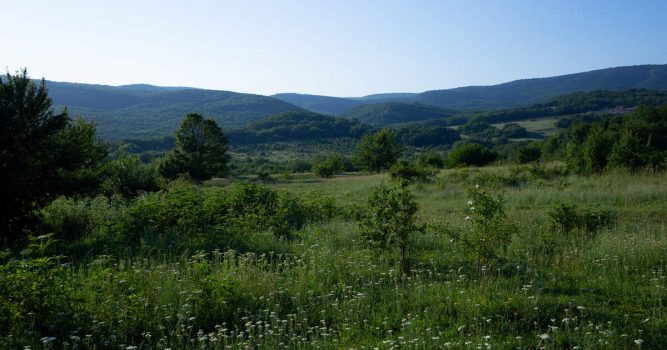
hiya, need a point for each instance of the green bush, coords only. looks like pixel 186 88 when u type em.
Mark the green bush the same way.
pixel 566 217
pixel 411 172
pixel 128 177
pixel 390 220
pixel 329 166
pixel 471 154
pixel 488 230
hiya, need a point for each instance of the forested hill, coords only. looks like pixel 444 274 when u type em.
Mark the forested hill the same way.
pixel 601 101
pixel 136 111
pixel 320 104
pixel 390 113
pixel 530 91
pixel 513 94
pixel 297 126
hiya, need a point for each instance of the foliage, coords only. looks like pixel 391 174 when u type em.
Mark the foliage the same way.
pixel 431 158
pixel 633 141
pixel 200 150
pixel 329 166
pixel 390 113
pixel 412 172
pixel 529 153
pixel 488 231
pixel 565 218
pixel 378 151
pixel 422 135
pixel 42 154
pixel 470 154
pixel 391 220
pixel 296 127
pixel 127 176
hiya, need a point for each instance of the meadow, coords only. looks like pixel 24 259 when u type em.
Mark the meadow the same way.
pixel 584 268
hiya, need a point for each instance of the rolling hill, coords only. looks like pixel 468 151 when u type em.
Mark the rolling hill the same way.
pixel 134 111
pixel 320 104
pixel 513 94
pixel 529 91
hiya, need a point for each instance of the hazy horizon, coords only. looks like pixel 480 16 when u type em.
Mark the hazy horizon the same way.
pixel 341 48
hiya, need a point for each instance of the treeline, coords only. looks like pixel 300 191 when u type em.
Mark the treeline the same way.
pixel 633 141
pixel 297 126
pixel 574 103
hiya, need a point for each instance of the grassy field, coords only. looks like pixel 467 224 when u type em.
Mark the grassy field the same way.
pixel 596 287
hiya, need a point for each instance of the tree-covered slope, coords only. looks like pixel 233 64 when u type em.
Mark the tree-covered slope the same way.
pixel 390 113
pixel 148 111
pixel 320 104
pixel 297 126
pixel 529 91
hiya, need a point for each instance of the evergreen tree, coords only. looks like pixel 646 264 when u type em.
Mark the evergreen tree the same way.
pixel 200 151
pixel 42 154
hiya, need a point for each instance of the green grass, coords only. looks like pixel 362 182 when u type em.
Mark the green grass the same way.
pixel 325 289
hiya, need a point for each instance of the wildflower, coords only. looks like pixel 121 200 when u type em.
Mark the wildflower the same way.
pixel 639 341
pixel 469 203
pixel 467 218
pixel 545 336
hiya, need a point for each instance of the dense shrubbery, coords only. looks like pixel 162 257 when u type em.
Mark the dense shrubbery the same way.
pixel 328 166
pixel 634 141
pixel 470 154
pixel 412 172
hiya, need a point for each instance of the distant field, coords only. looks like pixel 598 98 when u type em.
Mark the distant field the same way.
pixel 542 126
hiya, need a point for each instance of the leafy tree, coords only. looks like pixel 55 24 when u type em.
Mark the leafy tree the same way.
pixel 391 220
pixel 431 159
pixel 529 153
pixel 42 154
pixel 329 166
pixel 200 150
pixel 378 151
pixel 127 176
pixel 471 154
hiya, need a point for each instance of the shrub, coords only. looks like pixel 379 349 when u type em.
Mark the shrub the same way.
pixel 566 217
pixel 411 172
pixel 128 177
pixel 471 154
pixel 390 221
pixel 488 231
pixel 431 159
pixel 329 166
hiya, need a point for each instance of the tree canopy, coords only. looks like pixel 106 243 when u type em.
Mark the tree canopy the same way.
pixel 378 151
pixel 200 150
pixel 42 153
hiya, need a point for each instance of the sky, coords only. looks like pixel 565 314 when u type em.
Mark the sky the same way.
pixel 336 48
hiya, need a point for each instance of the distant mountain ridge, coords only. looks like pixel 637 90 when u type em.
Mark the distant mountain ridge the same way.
pixel 141 110
pixel 529 91
pixel 512 94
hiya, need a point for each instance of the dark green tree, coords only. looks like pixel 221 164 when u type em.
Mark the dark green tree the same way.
pixel 378 151
pixel 329 166
pixel 471 154
pixel 200 151
pixel 42 154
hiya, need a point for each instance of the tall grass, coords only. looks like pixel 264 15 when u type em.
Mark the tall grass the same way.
pixel 604 288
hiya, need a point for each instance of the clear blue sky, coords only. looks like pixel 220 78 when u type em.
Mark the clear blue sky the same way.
pixel 337 47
